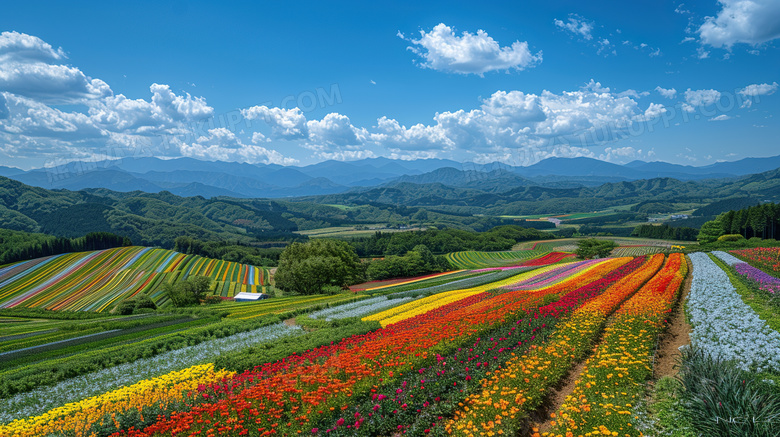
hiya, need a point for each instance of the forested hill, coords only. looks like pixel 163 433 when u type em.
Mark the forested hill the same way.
pixel 543 200
pixel 157 219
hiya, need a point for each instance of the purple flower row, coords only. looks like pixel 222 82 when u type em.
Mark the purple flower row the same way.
pixel 765 281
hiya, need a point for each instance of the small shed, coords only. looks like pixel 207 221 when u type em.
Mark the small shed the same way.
pixel 249 297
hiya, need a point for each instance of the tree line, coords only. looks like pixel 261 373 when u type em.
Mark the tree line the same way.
pixel 444 240
pixel 760 221
pixel 20 246
pixel 665 232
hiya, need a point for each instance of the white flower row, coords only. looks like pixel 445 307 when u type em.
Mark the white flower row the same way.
pixel 724 325
pixel 727 257
pixel 75 389
pixel 359 308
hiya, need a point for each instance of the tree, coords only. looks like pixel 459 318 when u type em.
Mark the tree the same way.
pixel 189 291
pixel 592 248
pixel 710 231
pixel 307 267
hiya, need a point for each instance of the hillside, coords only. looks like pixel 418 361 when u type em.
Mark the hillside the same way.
pixel 547 200
pixel 100 280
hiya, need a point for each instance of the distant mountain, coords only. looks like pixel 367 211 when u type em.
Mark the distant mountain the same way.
pixel 10 171
pixel 188 176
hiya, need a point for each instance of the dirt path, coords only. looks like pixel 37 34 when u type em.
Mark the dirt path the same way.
pixel 678 334
pixel 559 396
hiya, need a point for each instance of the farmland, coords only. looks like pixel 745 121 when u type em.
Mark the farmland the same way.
pixel 477 351
pixel 98 281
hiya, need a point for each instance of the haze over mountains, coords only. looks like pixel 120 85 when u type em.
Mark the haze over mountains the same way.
pixel 191 177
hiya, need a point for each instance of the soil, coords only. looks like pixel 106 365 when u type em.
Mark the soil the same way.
pixel 677 334
pixel 559 396
pixel 290 322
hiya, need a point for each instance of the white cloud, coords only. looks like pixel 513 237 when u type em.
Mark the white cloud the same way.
pixel 654 110
pixel 576 25
pixel 697 98
pixel 335 129
pixel 27 69
pixel 259 138
pixel 669 93
pixel 742 21
pixel 633 94
pixel 620 154
pixel 759 89
pixel 469 53
pixel 701 53
pixel 29 118
pixel 393 135
pixel 20 47
pixel 752 91
pixel 179 107
pixel 223 145
pixel 722 117
pixel 680 9
pixel 288 124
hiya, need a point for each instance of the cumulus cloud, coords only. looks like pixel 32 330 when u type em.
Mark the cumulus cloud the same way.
pixel 753 91
pixel 577 26
pixel 223 145
pixel 698 98
pixel 669 93
pixel 742 21
pixel 654 110
pixel 288 124
pixel 335 129
pixel 442 50
pixel 20 47
pixel 27 69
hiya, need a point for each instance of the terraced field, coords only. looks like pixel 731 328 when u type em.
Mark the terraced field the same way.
pixel 476 260
pixel 98 281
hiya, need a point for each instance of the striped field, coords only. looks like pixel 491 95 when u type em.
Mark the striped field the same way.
pixel 98 281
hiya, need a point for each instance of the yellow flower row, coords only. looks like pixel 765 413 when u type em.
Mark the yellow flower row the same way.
pixel 420 306
pixel 78 417
pixel 612 380
pixel 523 382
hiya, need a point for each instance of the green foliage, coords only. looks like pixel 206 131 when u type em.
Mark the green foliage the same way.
pixel 723 400
pixel 39 313
pixel 418 261
pixel 445 240
pixel 761 221
pixel 188 292
pixel 731 237
pixel 664 414
pixel 306 268
pixel 229 251
pixel 50 372
pixel 710 232
pixel 136 304
pixel 593 248
pixel 665 232
pixel 20 246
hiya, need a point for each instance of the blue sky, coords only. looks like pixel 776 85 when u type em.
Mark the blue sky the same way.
pixel 517 82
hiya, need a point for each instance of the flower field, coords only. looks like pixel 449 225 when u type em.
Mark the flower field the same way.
pixel 712 304
pixel 477 353
pixel 765 258
pixel 98 281
pixel 611 383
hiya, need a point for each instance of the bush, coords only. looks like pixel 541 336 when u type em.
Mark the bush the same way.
pixel 188 292
pixel 592 248
pixel 731 237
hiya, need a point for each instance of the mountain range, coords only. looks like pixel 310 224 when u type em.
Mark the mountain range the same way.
pixel 191 177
